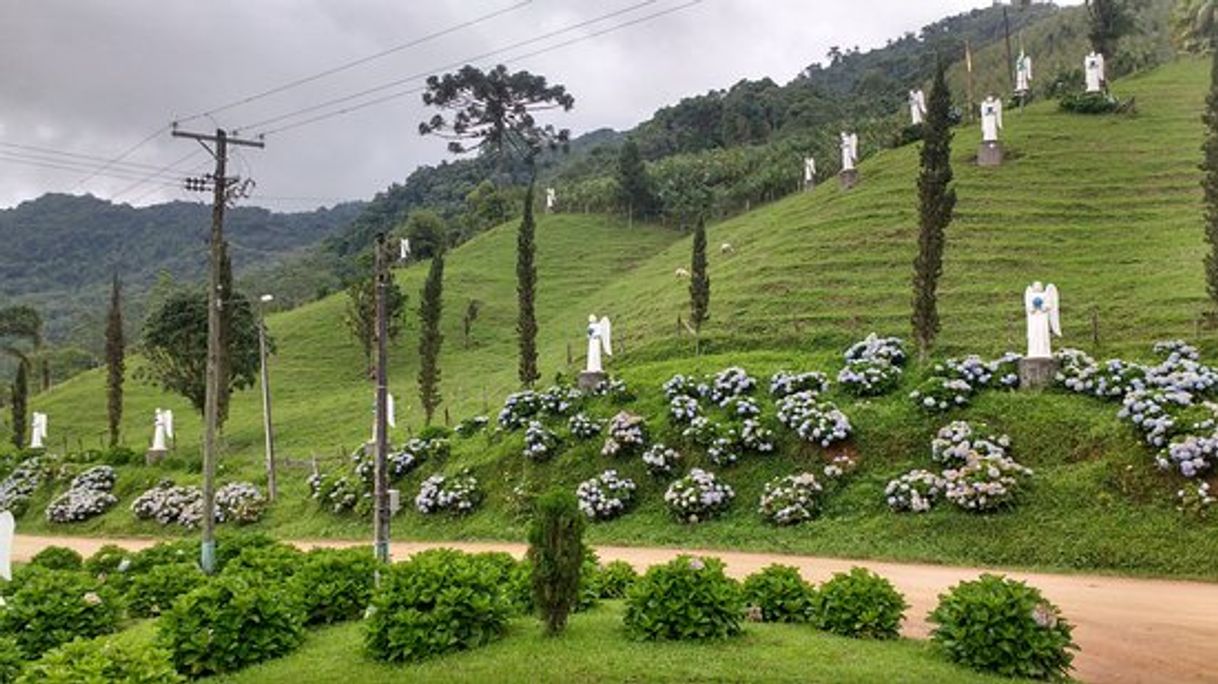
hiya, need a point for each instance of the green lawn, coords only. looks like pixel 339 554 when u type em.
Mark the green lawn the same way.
pixel 595 649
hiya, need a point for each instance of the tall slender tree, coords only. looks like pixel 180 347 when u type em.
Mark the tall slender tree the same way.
pixel 115 361
pixel 526 293
pixel 1108 20
pixel 227 301
pixel 636 193
pixel 699 285
pixel 1210 182
pixel 430 336
pixel 19 402
pixel 937 202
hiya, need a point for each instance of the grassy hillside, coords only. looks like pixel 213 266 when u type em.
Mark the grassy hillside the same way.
pixel 1108 208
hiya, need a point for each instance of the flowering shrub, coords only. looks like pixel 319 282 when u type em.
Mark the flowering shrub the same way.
pixel 728 384
pixel 859 604
pixel 471 426
pixel 1195 499
pixel 1174 350
pixel 1152 412
pixel 701 431
pixel 779 594
pixel 1006 371
pixel 733 444
pixel 683 409
pixel 661 460
pixel 559 401
pixel 985 483
pixel 337 493
pixel 519 409
pixel 869 377
pixel 791 499
pixel 1112 380
pixel 814 421
pixel 167 503
pixel 88 495
pixel 915 491
pixel 786 383
pixel 956 440
pixel 680 385
pixel 153 592
pixel 52 607
pixel 1191 456
pixel 583 427
pixel 615 389
pixel 57 558
pixel 939 394
pixel 839 467
pixel 456 495
pixel 698 496
pixel 239 502
pixel 999 625
pixel 605 496
pixel 873 347
pixel 972 369
pixel 16 489
pixel 686 598
pixel 627 435
pixel 540 443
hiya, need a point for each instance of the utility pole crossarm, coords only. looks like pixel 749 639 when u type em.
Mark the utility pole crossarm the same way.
pixel 211 137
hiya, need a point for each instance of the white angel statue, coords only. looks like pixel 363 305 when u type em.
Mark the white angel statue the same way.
pixel 38 431
pixel 404 249
pixel 1040 302
pixel 809 171
pixel 1023 74
pixel 600 337
pixel 551 199
pixel 7 528
pixel 991 119
pixel 1093 68
pixel 850 150
pixel 162 430
pixel 917 107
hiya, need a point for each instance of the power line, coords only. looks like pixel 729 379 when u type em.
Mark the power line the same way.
pixel 363 60
pixel 54 152
pixel 126 153
pixel 423 74
pixel 167 167
pixel 68 166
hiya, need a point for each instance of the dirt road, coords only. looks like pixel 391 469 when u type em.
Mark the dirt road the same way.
pixel 1130 630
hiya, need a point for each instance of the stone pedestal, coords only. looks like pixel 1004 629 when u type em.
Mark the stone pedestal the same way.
pixel 989 154
pixel 1037 374
pixel 848 178
pixel 588 381
pixel 154 456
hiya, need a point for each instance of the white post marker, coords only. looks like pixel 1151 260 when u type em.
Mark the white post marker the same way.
pixel 8 528
pixel 38 431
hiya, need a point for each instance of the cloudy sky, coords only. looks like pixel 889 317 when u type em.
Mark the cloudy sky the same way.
pixel 95 78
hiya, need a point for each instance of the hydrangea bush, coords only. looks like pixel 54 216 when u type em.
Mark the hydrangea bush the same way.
pixel 169 504
pixel 859 604
pixel 471 426
pixel 684 599
pixel 519 409
pixel 457 495
pixel 661 460
pixel 582 427
pixel 240 502
pixel 701 431
pixel 791 499
pixel 814 421
pixel 938 394
pixel 698 496
pixel 869 377
pixel 88 495
pixel 786 383
pixel 540 442
pixel 729 384
pixel 683 409
pixel 916 491
pixel 16 489
pixel 605 496
pixel 626 435
pixel 778 593
pixel 985 483
pixel 955 441
pixel 874 347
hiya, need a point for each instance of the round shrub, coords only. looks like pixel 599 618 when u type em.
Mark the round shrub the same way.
pixel 240 502
pixel 540 442
pixel 915 491
pixel 605 496
pixel 780 594
pixel 956 440
pixel 438 601
pixel 456 495
pixel 58 558
pixel 859 604
pixel 151 593
pixel 790 499
pixel 53 607
pixel 626 435
pixel 102 660
pixel 1003 626
pixel 686 598
pixel 11 661
pixel 869 377
pixel 661 460
pixel 108 560
pixel 937 394
pixel 815 421
pixel 335 584
pixel 986 483
pixel 229 622
pixel 616 578
pixel 698 496
pixel 230 546
pixel 275 562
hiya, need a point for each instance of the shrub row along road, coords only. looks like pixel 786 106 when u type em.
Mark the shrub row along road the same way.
pixel 1129 630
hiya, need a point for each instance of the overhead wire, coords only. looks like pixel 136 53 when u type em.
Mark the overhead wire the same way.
pixel 68 166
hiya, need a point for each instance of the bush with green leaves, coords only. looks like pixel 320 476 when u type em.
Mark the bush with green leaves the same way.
pixel 437 602
pixel 11 660
pixel 686 598
pixel 335 584
pixel 999 625
pixel 275 561
pixel 102 660
pixel 859 604
pixel 556 550
pixel 780 594
pixel 53 607
pixel 58 558
pixel 230 546
pixel 107 560
pixel 615 579
pixel 229 622
pixel 1088 103
pixel 153 592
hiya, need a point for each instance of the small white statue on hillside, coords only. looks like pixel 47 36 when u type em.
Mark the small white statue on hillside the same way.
pixel 991 119
pixel 8 528
pixel 850 150
pixel 599 338
pixel 404 249
pixel 917 107
pixel 38 431
pixel 1093 68
pixel 1040 302
pixel 1023 74
pixel 551 200
pixel 162 430
pixel 809 172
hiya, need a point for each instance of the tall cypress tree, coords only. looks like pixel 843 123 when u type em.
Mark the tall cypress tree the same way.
pixel 1210 182
pixel 635 192
pixel 19 404
pixel 115 361
pixel 430 337
pixel 526 285
pixel 699 285
pixel 937 201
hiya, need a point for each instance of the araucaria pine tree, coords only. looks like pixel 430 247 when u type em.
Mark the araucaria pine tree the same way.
pixel 115 361
pixel 699 285
pixel 1210 183
pixel 430 337
pixel 937 201
pixel 19 402
pixel 526 289
pixel 556 550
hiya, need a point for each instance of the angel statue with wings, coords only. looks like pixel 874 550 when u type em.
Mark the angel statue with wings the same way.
pixel 1040 301
pixel 599 337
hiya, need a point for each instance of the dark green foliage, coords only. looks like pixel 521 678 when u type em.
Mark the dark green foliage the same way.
pixel 686 598
pixel 431 306
pixel 1088 103
pixel 515 576
pixel 427 232
pixel 58 558
pixel 19 399
pixel 335 584
pixel 859 604
pixel 224 366
pixel 360 316
pixel 437 602
pixel 175 346
pixel 636 192
pixel 153 592
pixel 936 202
pixel 115 363
pixel 1108 20
pixel 1209 183
pixel 780 593
pixel 616 578
pixel 526 292
pixel 229 547
pixel 102 660
pixel 11 661
pixel 230 622
pixel 699 281
pixel 472 308
pixel 275 562
pixel 556 551
pixel 181 551
pixel 431 432
pixel 107 560
pixel 53 607
pixel 589 582
pixel 998 625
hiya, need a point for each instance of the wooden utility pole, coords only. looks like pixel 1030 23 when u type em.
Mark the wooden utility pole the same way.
pixel 380 516
pixel 268 427
pixel 222 188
